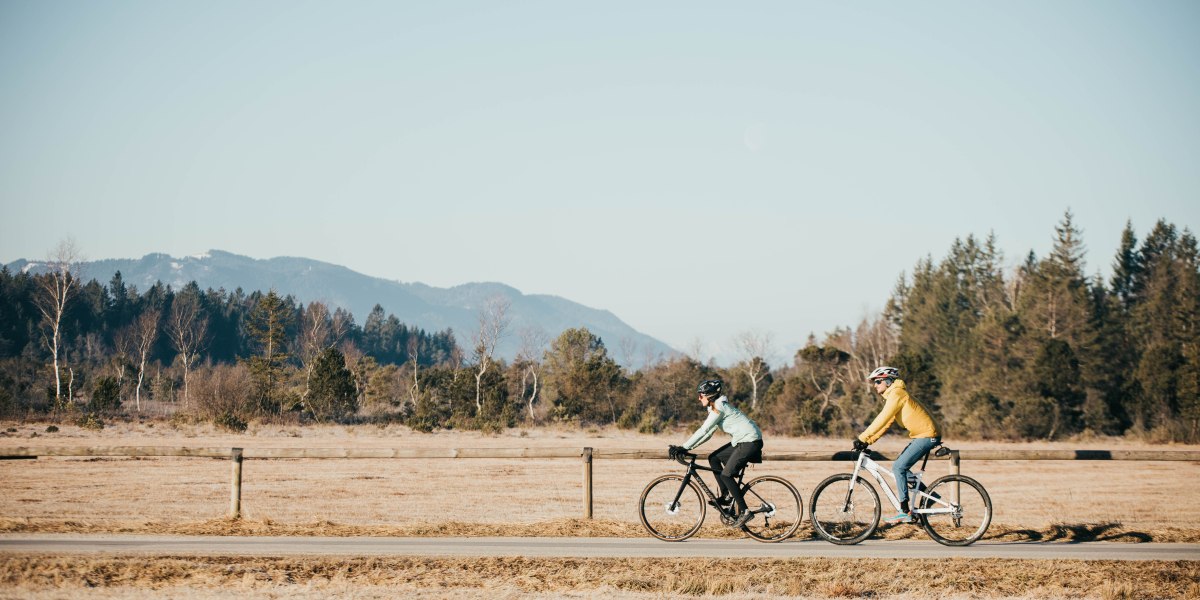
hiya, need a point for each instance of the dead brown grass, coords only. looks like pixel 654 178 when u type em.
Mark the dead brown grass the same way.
pixel 1088 532
pixel 1042 500
pixel 627 578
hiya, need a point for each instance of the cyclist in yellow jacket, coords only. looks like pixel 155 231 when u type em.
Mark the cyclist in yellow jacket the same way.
pixel 909 414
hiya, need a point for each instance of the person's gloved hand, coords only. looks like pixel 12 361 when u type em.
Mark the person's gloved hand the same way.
pixel 859 445
pixel 674 451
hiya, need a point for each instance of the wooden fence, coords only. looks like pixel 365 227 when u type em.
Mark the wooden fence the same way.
pixel 588 455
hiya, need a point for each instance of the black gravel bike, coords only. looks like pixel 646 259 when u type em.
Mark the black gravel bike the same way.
pixel 672 507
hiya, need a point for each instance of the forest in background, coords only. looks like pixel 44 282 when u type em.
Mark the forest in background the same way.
pixel 1040 351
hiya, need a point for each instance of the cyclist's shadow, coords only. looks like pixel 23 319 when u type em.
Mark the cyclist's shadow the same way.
pixel 1081 532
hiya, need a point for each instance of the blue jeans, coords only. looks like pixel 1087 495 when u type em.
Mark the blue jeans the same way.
pixel 909 457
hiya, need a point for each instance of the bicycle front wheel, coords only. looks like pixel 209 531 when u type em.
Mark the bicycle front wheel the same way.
pixel 670 510
pixel 955 511
pixel 844 513
pixel 777 509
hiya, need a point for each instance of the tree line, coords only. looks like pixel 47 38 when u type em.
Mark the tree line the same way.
pixel 1039 351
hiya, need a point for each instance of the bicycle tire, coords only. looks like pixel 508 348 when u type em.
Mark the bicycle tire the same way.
pixel 838 524
pixel 972 515
pixel 786 509
pixel 667 523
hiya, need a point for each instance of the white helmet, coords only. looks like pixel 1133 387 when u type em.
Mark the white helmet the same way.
pixel 884 373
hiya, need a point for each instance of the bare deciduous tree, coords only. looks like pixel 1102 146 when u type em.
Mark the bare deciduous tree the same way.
pixel 493 321
pixel 414 356
pixel 55 290
pixel 354 362
pixel 533 342
pixel 629 348
pixel 695 350
pixel 122 349
pixel 319 331
pixel 756 349
pixel 187 328
pixel 144 332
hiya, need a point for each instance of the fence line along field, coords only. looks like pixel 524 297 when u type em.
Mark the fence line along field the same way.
pixel 1131 500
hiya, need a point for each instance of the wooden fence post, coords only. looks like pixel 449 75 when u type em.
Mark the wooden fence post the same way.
pixel 235 494
pixel 587 483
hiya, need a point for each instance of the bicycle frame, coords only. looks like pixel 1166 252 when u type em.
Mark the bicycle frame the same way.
pixel 934 505
pixel 692 473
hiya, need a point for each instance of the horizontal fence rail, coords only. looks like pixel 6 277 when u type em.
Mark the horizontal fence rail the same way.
pixel 238 455
pixel 338 452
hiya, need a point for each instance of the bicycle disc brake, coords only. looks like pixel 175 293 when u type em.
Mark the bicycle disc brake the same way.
pixel 767 510
pixel 671 508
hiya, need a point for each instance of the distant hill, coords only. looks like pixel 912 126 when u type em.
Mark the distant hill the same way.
pixel 431 308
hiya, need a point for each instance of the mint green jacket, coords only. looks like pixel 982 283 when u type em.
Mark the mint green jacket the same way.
pixel 730 420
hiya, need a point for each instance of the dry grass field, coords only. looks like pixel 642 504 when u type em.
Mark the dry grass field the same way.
pixel 1034 500
pixel 195 578
pixel 122 493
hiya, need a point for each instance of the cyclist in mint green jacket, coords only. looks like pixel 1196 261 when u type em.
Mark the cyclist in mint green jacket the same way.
pixel 728 460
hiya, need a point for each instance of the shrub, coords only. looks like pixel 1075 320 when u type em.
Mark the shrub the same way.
pixel 230 422
pixel 106 395
pixel 90 421
pixel 223 395
pixel 331 393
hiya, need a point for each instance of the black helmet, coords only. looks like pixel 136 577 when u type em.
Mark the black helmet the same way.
pixel 711 387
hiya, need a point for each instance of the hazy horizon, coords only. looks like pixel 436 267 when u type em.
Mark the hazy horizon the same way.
pixel 698 169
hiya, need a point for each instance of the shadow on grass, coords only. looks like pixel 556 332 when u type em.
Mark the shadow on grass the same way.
pixel 1073 532
pixel 1058 532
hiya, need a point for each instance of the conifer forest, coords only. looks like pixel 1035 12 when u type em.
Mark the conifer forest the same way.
pixel 1043 350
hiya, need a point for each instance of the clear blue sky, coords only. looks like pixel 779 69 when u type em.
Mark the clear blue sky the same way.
pixel 698 168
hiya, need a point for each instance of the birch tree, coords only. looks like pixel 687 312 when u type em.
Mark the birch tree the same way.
pixel 533 343
pixel 55 290
pixel 187 328
pixel 755 348
pixel 319 331
pixel 144 334
pixel 493 322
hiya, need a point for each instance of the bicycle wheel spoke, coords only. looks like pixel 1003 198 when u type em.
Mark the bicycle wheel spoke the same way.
pixel 843 518
pixel 777 509
pixel 957 511
pixel 666 517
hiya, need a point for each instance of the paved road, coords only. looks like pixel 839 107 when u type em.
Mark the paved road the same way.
pixel 570 547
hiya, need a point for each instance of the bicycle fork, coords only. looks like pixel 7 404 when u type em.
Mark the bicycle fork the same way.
pixel 850 484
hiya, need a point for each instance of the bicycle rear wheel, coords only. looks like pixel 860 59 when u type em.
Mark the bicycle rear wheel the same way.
pixel 777 509
pixel 844 514
pixel 665 517
pixel 959 511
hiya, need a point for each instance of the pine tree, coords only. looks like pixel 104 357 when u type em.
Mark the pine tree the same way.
pixel 583 378
pixel 1126 268
pixel 1153 324
pixel 1187 322
pixel 267 326
pixel 331 389
pixel 1056 310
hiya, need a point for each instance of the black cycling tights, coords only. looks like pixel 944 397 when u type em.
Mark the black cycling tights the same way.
pixel 728 461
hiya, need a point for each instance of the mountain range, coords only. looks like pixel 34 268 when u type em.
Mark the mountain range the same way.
pixel 431 308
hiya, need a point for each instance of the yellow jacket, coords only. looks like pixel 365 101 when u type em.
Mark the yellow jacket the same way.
pixel 903 409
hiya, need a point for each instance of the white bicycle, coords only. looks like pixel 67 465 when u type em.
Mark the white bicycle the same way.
pixel 954 510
